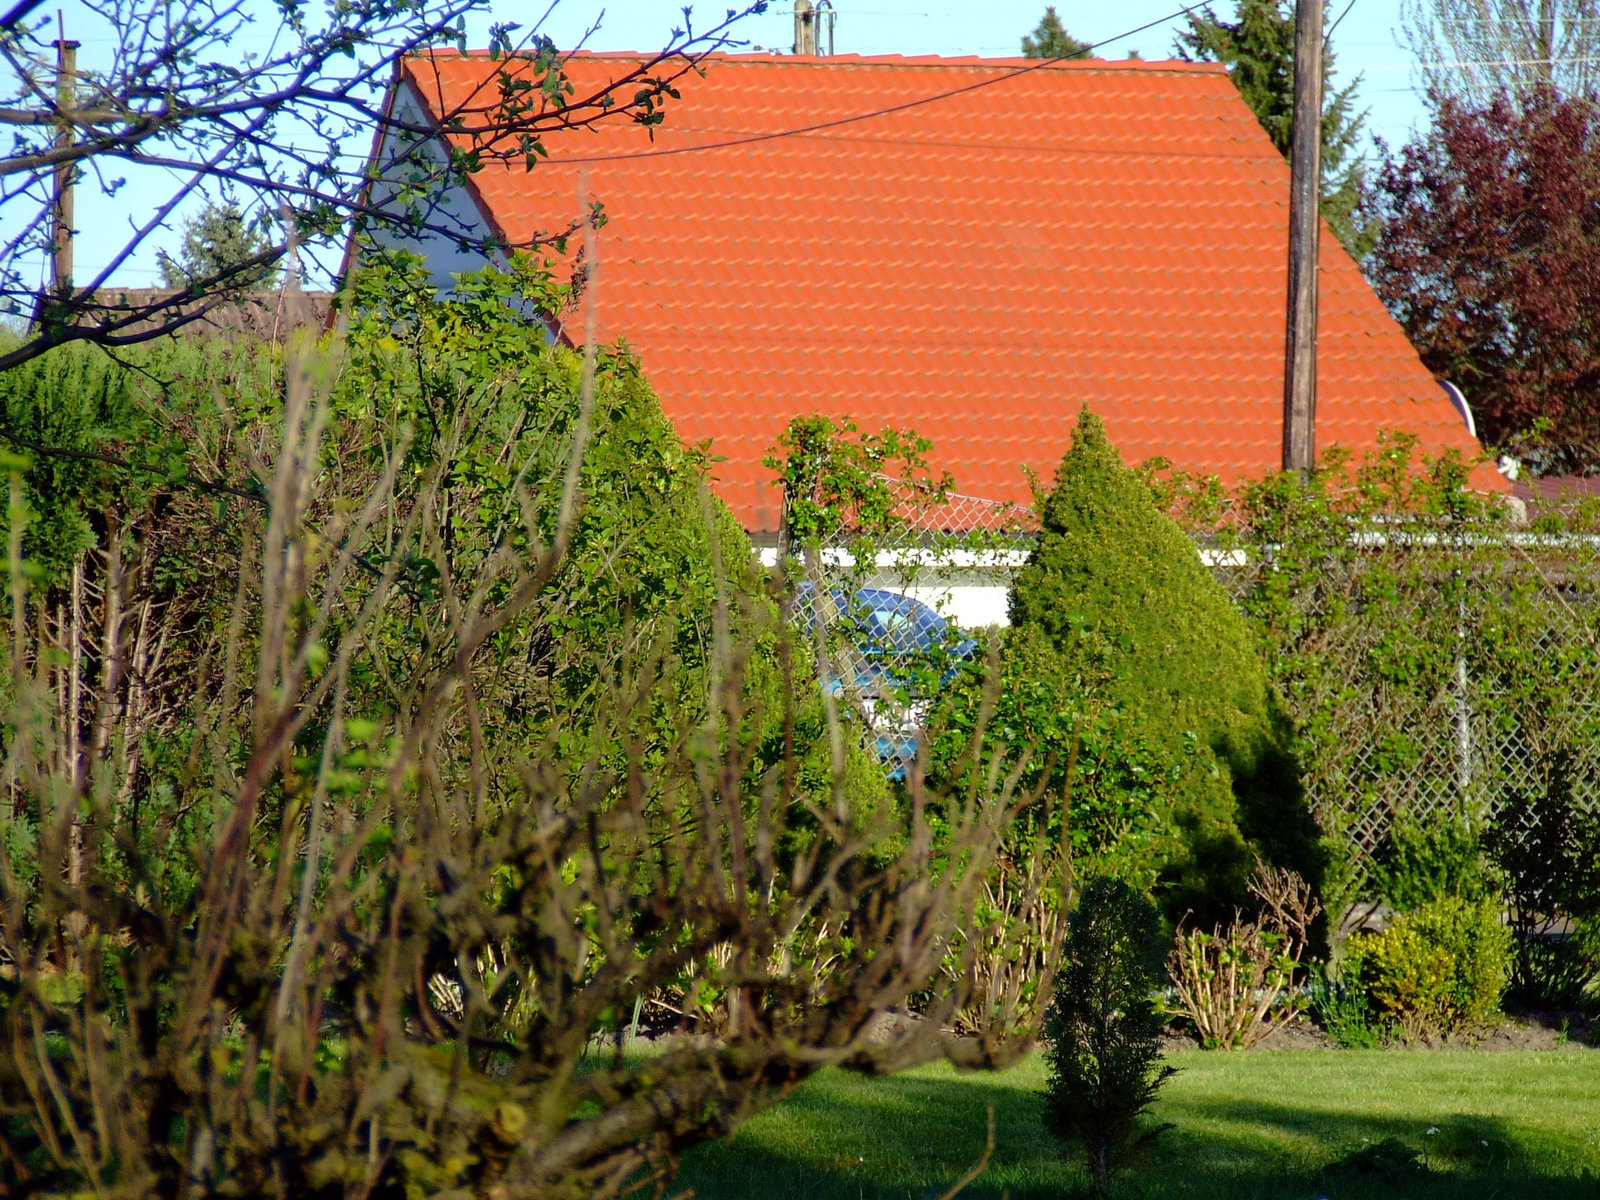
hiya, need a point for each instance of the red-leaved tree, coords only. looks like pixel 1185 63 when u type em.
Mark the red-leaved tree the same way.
pixel 1489 254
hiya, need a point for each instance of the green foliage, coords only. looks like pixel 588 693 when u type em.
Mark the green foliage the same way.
pixel 1546 846
pixel 1118 591
pixel 839 481
pixel 103 442
pixel 144 474
pixel 1050 39
pixel 873 497
pixel 1399 615
pixel 901 716
pixel 1104 790
pixel 217 239
pixel 1436 971
pixel 75 400
pixel 1102 1033
pixel 650 548
pixel 1257 47
pixel 1423 863
pixel 1343 1011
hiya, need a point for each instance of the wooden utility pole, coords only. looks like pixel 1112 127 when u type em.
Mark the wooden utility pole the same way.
pixel 61 213
pixel 805 27
pixel 1305 197
pixel 811 21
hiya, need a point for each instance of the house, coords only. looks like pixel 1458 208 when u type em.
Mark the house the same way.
pixel 970 248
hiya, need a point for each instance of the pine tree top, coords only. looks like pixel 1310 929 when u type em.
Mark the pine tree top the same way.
pixel 1050 39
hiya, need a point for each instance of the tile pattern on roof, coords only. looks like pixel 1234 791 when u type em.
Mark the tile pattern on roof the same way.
pixel 975 267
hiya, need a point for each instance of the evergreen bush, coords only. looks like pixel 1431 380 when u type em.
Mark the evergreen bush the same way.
pixel 1105 789
pixel 1423 863
pixel 1119 591
pixel 1102 1031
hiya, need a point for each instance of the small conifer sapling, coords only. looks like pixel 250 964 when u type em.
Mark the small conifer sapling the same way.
pixel 1102 1033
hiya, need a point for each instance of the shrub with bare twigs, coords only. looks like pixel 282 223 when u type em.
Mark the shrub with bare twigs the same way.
pixel 1235 984
pixel 1012 945
pixel 421 828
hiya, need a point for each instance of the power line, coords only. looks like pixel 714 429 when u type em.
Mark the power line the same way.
pixel 882 139
pixel 774 135
pixel 1484 62
pixel 1327 37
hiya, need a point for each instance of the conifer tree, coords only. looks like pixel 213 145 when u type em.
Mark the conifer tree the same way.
pixel 1257 47
pixel 1102 1033
pixel 216 240
pixel 1050 39
pixel 1115 581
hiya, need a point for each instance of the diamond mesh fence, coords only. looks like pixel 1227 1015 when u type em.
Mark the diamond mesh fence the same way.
pixel 1431 675
pixel 878 607
pixel 1431 670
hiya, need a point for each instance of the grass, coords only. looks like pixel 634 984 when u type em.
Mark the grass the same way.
pixel 1284 1124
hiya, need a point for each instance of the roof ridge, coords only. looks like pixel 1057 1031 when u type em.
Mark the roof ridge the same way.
pixel 927 61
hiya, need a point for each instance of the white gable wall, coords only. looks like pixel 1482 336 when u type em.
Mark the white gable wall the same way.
pixel 971 589
pixel 971 606
pixel 452 215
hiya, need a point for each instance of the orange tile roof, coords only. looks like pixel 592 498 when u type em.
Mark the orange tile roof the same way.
pixel 1005 244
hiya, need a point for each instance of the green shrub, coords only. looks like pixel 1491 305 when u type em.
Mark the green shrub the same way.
pixel 152 472
pixel 1102 1031
pixel 1106 789
pixel 648 542
pixel 1421 863
pixel 106 441
pixel 1120 593
pixel 1437 971
pixel 1480 949
pixel 1547 847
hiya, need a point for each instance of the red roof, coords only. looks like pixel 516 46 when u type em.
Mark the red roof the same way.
pixel 971 248
pixel 1556 493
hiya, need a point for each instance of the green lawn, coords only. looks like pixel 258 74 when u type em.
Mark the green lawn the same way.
pixel 1292 1124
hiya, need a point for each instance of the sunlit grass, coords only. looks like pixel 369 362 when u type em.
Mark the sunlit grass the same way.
pixel 1274 1124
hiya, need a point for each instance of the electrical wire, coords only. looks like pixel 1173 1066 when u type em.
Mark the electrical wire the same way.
pixel 776 134
pixel 1329 35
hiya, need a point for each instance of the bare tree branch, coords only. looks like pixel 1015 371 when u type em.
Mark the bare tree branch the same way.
pixel 285 128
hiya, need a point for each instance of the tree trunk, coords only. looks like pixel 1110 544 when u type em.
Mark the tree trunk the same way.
pixel 1100 1168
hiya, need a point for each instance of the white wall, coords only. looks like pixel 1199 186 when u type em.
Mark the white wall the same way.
pixel 970 589
pixel 971 606
pixel 967 588
pixel 452 214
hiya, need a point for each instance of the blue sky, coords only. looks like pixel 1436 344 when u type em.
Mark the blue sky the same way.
pixel 1366 42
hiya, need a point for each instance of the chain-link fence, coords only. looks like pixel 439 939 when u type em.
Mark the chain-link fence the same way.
pixel 1432 667
pixel 887 610
pixel 1433 672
